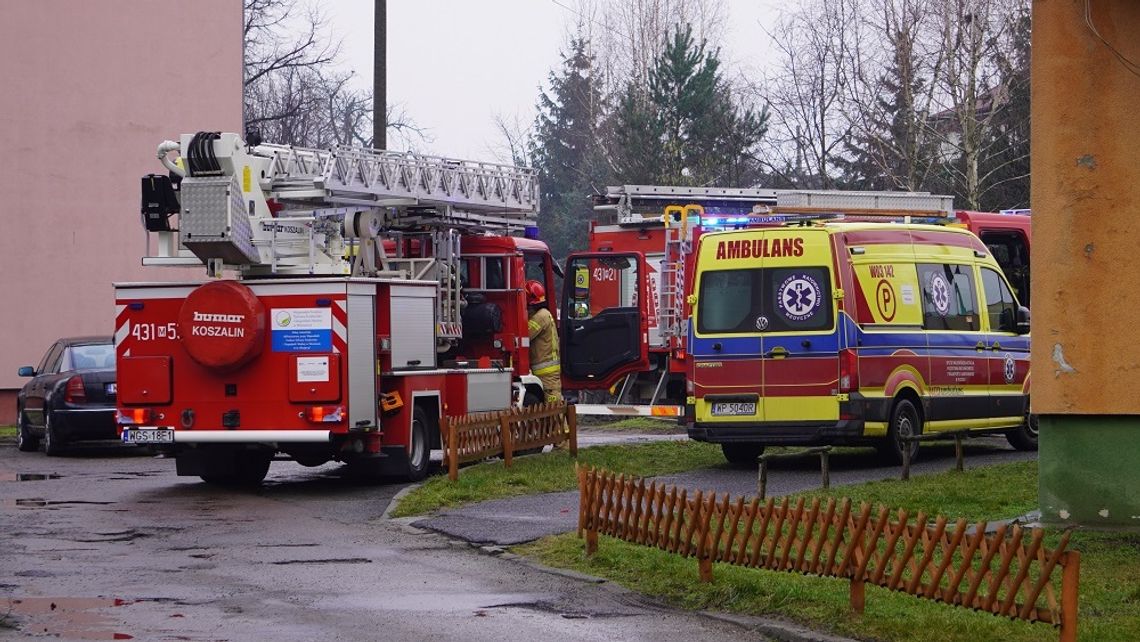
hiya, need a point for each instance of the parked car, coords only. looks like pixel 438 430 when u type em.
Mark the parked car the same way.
pixel 71 395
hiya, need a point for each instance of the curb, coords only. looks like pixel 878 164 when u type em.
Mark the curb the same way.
pixel 395 501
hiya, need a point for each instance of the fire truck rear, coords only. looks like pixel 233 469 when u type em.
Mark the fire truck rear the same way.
pixel 373 294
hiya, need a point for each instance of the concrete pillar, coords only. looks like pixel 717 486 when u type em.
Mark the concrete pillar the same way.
pixel 1086 260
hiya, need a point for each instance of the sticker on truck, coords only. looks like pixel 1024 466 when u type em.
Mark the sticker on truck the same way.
pixel 301 329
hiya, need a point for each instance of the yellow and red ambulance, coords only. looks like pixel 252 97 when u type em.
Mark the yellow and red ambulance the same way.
pixel 853 333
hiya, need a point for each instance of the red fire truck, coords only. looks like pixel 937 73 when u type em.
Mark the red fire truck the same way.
pixel 368 294
pixel 663 224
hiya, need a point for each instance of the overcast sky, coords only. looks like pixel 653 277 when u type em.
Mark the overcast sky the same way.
pixel 454 64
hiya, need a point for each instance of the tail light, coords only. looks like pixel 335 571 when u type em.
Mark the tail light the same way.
pixel 848 371
pixel 75 392
pixel 325 414
pixel 134 416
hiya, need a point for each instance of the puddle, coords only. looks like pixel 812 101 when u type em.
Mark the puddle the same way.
pixel 7 475
pixel 74 618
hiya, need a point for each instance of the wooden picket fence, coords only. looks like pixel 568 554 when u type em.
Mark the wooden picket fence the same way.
pixel 481 435
pixel 1008 572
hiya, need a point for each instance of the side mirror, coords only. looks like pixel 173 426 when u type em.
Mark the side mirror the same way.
pixel 26 371
pixel 1022 319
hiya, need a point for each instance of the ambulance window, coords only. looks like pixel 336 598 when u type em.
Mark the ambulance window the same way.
pixel 948 299
pixel 729 301
pixel 1000 305
pixel 800 298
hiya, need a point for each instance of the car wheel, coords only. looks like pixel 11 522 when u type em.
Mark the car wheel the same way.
pixel 418 452
pixel 905 422
pixel 742 455
pixel 53 445
pixel 1024 437
pixel 25 440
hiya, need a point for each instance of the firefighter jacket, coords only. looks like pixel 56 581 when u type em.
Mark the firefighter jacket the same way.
pixel 543 344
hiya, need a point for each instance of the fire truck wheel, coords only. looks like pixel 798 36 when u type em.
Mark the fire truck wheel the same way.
pixel 1024 437
pixel 905 422
pixel 251 467
pixel 742 455
pixel 25 441
pixel 419 454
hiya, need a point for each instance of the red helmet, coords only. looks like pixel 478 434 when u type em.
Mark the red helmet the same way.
pixel 535 293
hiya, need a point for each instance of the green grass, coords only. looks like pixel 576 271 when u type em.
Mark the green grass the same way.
pixel 7 431
pixel 1110 571
pixel 554 471
pixel 633 424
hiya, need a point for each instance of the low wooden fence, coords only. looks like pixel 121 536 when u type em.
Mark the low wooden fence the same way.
pixel 1007 572
pixel 507 432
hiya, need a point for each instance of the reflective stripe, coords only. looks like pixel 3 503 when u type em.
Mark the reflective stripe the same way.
pixel 545 369
pixel 533 326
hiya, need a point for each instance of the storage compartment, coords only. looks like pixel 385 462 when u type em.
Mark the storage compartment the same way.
pixel 144 381
pixel 488 390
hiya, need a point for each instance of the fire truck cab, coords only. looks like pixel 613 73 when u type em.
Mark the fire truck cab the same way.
pixel 371 294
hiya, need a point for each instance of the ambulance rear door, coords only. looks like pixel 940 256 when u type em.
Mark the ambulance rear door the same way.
pixel 799 341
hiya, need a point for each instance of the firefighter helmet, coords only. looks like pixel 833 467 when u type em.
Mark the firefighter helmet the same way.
pixel 535 293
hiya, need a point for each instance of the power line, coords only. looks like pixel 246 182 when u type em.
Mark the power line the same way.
pixel 586 18
pixel 1131 66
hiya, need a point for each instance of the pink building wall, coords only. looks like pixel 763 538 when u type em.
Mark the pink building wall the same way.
pixel 87 91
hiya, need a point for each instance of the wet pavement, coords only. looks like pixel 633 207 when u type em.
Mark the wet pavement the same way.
pixel 512 521
pixel 108 544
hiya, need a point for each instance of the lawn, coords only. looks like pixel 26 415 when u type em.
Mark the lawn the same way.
pixel 632 424
pixel 7 431
pixel 554 471
pixel 1110 570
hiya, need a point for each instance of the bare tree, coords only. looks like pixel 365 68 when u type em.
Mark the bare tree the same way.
pixel 972 89
pixel 629 35
pixel 295 93
pixel 892 92
pixel 810 91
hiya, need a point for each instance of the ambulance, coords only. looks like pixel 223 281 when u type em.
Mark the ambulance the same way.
pixel 859 333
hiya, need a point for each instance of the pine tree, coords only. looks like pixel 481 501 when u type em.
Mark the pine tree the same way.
pixel 684 128
pixel 565 149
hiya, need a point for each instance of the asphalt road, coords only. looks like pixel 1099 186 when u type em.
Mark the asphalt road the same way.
pixel 521 519
pixel 106 544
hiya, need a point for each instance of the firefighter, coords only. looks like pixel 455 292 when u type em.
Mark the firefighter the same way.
pixel 543 342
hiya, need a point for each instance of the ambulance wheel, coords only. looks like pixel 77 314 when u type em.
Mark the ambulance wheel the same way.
pixel 531 398
pixel 742 455
pixel 419 453
pixel 905 422
pixel 1024 437
pixel 25 441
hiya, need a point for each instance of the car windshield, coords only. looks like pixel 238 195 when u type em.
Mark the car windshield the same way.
pixel 764 300
pixel 95 355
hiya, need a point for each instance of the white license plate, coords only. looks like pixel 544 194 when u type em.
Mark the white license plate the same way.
pixel 734 408
pixel 112 389
pixel 148 436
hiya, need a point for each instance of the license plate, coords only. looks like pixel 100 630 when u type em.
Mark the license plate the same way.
pixel 148 436
pixel 734 408
pixel 112 389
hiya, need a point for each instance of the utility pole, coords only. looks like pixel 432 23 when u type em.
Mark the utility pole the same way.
pixel 380 77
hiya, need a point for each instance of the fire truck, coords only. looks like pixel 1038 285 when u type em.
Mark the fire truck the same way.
pixel 662 224
pixel 353 299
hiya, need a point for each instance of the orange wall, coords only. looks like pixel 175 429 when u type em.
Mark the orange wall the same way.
pixel 89 90
pixel 1086 209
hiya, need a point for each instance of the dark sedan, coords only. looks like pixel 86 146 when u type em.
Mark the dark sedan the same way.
pixel 71 396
